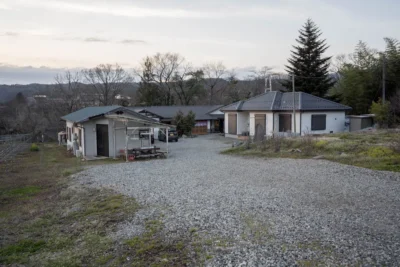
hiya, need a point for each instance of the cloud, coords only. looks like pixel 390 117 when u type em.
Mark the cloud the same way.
pixel 133 42
pixel 95 40
pixel 10 34
pixel 4 6
pixel 123 9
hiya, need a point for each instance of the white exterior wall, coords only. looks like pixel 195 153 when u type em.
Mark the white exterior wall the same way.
pixel 335 122
pixel 89 136
pixel 226 123
pixel 243 121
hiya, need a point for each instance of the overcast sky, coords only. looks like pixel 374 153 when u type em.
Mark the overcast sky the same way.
pixel 41 37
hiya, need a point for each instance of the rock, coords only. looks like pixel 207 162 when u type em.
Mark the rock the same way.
pixel 319 157
pixel 343 154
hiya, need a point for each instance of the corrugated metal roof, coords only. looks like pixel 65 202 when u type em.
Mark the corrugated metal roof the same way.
pixel 89 112
pixel 275 101
pixel 86 113
pixel 168 112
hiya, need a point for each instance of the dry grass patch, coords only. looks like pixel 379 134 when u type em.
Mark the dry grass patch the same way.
pixel 375 150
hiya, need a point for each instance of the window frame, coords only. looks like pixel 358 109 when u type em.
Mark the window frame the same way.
pixel 315 127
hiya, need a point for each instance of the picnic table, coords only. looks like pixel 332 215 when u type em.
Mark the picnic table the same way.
pixel 146 152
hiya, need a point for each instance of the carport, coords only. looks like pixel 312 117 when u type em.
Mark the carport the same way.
pixel 131 125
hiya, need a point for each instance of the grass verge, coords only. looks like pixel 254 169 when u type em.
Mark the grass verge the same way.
pixel 378 150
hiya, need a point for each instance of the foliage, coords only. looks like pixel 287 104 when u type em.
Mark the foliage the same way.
pixel 185 124
pixel 382 113
pixel 360 77
pixel 34 148
pixel 188 85
pixel 308 64
pixel 379 152
pixel 148 93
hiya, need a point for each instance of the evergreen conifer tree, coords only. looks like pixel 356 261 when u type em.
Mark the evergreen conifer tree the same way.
pixel 308 64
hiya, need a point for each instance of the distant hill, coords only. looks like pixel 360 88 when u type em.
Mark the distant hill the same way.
pixel 8 92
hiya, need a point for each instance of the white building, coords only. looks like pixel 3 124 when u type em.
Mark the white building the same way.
pixel 272 113
pixel 105 131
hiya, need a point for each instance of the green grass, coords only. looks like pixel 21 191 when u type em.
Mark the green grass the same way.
pixel 377 150
pixel 19 252
pixel 68 226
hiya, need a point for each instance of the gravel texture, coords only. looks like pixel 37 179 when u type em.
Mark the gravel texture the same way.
pixel 263 212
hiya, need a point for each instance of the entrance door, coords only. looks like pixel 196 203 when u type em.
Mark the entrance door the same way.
pixel 102 139
pixel 260 129
pixel 285 123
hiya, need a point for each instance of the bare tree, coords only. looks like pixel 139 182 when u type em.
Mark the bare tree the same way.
pixel 107 81
pixel 68 91
pixel 160 69
pixel 214 74
pixel 188 84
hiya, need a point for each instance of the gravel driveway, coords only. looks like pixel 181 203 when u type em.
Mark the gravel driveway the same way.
pixel 265 212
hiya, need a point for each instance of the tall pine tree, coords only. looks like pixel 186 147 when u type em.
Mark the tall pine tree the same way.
pixel 308 64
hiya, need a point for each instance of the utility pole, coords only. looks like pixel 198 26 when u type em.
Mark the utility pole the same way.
pixel 383 78
pixel 294 106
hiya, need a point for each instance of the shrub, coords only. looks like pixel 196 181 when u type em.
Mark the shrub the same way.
pixel 382 113
pixel 379 151
pixel 307 142
pixel 321 144
pixel 34 148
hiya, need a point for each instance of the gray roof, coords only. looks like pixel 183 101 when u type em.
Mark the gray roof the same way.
pixel 278 101
pixel 168 112
pixel 86 114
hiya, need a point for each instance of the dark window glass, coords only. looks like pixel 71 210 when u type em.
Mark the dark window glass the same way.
pixel 318 122
pixel 285 123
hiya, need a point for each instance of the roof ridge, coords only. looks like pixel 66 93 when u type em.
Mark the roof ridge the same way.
pixel 273 100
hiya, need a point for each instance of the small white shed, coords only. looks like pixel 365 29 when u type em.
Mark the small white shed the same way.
pixel 106 131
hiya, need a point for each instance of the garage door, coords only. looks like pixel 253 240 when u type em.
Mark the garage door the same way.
pixel 200 128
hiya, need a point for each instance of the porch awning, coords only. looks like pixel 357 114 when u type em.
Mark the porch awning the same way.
pixel 147 122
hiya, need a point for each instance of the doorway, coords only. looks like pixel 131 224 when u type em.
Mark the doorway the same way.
pixel 102 140
pixel 285 123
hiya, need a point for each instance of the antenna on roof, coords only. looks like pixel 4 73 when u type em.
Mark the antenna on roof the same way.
pixel 268 84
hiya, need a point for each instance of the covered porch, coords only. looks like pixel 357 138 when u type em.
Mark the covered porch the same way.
pixel 134 135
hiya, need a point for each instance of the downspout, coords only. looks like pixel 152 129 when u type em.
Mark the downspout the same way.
pixel 126 143
pixel 301 116
pixel 115 147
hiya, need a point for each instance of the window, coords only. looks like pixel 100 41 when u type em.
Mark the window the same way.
pixel 318 122
pixel 232 123
pixel 285 123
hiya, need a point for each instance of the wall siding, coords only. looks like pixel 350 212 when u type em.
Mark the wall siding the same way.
pixel 335 122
